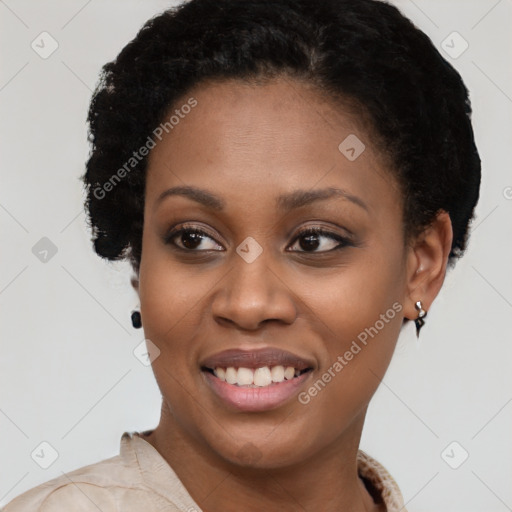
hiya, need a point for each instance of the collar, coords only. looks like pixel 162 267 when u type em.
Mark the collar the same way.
pixel 158 475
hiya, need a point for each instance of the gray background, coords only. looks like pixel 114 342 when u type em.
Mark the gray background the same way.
pixel 68 375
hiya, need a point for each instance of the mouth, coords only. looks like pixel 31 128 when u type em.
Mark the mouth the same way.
pixel 261 377
pixel 255 380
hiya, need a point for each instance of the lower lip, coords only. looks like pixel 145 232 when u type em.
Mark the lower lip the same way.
pixel 255 399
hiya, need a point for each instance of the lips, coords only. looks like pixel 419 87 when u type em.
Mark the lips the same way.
pixel 269 357
pixel 255 380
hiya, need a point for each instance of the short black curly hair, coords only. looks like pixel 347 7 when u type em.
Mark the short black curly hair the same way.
pixel 365 51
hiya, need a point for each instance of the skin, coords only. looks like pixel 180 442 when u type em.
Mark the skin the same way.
pixel 247 144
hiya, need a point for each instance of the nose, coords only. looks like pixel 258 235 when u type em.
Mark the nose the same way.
pixel 253 293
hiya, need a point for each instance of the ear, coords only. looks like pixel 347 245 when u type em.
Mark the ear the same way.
pixel 427 260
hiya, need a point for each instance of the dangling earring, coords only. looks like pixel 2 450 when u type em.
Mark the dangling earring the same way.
pixel 136 319
pixel 420 322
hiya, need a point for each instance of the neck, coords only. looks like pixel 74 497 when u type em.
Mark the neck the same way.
pixel 327 481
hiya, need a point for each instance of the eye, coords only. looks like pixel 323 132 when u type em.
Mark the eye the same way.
pixel 192 239
pixel 312 239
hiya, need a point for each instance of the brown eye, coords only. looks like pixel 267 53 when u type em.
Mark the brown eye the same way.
pixel 192 239
pixel 310 240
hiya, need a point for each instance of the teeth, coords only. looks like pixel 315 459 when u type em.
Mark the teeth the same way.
pixel 277 374
pixel 260 377
pixel 289 373
pixel 231 375
pixel 245 376
pixel 220 373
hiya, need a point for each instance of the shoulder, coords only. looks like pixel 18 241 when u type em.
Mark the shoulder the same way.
pixel 90 488
pixel 49 497
pixel 136 479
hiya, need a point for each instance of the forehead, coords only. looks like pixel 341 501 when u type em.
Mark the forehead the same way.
pixel 264 140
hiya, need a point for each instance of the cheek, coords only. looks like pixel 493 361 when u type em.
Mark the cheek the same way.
pixel 168 291
pixel 358 313
pixel 353 298
pixel 173 309
pixel 165 301
pixel 168 304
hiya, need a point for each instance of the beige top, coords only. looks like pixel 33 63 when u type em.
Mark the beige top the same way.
pixel 140 479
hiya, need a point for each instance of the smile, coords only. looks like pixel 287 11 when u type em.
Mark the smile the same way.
pixel 255 380
pixel 259 377
pixel 254 398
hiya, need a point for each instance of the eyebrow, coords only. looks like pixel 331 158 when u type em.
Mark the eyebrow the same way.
pixel 284 202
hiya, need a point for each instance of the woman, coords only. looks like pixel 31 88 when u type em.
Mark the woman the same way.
pixel 290 181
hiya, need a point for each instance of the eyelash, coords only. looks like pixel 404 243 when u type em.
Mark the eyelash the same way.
pixel 318 231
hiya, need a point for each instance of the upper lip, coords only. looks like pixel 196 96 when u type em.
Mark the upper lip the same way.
pixel 255 359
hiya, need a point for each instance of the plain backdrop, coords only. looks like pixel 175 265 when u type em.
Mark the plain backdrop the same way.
pixel 68 374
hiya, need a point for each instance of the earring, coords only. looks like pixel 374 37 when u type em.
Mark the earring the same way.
pixel 136 319
pixel 420 322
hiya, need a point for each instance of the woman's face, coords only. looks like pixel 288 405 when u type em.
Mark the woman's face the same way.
pixel 264 163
